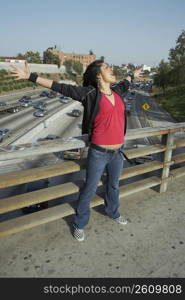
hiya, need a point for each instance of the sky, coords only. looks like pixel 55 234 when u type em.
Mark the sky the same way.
pixel 123 31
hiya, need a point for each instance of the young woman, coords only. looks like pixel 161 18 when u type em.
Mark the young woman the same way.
pixel 104 120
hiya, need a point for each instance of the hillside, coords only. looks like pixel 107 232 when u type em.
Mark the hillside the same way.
pixel 173 101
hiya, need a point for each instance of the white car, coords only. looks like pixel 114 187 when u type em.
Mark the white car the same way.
pixel 40 113
pixel 26 103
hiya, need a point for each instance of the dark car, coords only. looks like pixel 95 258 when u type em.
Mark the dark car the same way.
pixel 128 108
pixel 52 137
pixel 26 103
pixel 3 133
pixel 52 94
pixel 65 99
pixel 22 99
pixel 76 113
pixel 40 113
pixel 49 137
pixel 144 158
pixel 44 94
pixel 39 104
pixel 2 103
pixel 34 186
pixel 13 109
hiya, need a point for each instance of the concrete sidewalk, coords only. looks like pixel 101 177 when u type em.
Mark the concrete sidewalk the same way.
pixel 151 245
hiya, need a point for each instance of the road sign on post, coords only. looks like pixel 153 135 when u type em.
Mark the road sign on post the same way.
pixel 145 106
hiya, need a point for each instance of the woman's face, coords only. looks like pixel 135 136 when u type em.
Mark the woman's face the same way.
pixel 106 74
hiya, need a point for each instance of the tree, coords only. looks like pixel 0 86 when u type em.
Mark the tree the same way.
pixel 131 67
pixel 50 58
pixel 177 54
pixel 73 67
pixel 177 60
pixel 162 77
pixel 69 66
pixel 118 72
pixel 20 56
pixel 77 67
pixel 102 58
pixel 33 57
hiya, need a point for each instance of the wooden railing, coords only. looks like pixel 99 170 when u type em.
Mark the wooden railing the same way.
pixel 10 154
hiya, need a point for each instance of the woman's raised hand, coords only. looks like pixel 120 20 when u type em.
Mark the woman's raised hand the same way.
pixel 137 73
pixel 20 73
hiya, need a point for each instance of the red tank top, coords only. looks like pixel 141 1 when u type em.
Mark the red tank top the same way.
pixel 109 123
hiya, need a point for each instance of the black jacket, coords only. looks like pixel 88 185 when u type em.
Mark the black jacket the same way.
pixel 89 97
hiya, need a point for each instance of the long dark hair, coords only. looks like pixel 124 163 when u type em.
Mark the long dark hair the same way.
pixel 90 75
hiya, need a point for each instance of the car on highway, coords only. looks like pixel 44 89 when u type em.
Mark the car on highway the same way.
pixel 13 109
pixel 72 154
pixel 4 132
pixel 65 99
pixel 52 94
pixel 26 103
pixel 144 158
pixel 2 103
pixel 44 94
pixel 50 137
pixel 40 113
pixel 75 113
pixel 22 99
pixel 39 104
pixel 128 108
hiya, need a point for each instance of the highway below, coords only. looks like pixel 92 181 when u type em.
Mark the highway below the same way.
pixel 23 121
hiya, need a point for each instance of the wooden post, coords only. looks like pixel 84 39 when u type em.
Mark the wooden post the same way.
pixel 168 140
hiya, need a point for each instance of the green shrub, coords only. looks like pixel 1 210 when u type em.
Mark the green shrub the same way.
pixel 3 71
pixel 5 89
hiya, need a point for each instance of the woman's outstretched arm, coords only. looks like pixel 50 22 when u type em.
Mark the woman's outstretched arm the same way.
pixel 75 92
pixel 24 73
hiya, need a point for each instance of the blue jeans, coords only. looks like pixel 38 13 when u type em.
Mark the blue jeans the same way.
pixel 97 162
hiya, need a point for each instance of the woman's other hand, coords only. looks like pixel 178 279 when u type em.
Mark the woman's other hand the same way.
pixel 137 74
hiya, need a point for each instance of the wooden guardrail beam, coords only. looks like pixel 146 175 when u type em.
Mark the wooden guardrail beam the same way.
pixel 29 175
pixel 137 152
pixel 180 143
pixel 141 169
pixel 39 196
pixel 178 158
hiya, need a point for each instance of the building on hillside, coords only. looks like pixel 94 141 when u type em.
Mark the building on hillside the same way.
pixel 85 59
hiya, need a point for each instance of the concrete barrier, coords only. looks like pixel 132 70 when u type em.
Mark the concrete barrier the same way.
pixel 45 68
